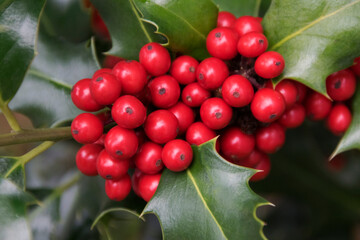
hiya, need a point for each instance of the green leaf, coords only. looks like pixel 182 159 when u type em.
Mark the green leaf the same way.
pixel 240 7
pixel 13 203
pixel 316 38
pixel 45 93
pixel 128 32
pixel 351 139
pixel 185 23
pixel 17 174
pixel 209 200
pixel 18 29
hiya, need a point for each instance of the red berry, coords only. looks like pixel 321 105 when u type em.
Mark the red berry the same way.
pixel 356 66
pixel 267 105
pixel 121 143
pixel 183 69
pixel 221 43
pixel 148 185
pixel 252 160
pixel 198 133
pixel 225 19
pixel 110 61
pixel 105 88
pixel 101 71
pixel 86 159
pixel 128 112
pixel 184 114
pixel 271 138
pixel 161 126
pixel 86 128
pixel 165 91
pixel 293 117
pixel 118 190
pixel 269 64
pixel 211 73
pixel 235 144
pixel 246 24
pixel 302 91
pixel 264 164
pixel 289 92
pixel 132 76
pixel 339 119
pixel 111 168
pixel 215 113
pixel 177 155
pixel 237 91
pixel 194 95
pixel 148 159
pixel 155 59
pixel 252 44
pixel 135 181
pixel 317 106
pixel 341 85
pixel 81 96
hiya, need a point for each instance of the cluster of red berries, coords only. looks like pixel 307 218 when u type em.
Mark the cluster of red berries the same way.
pixel 148 106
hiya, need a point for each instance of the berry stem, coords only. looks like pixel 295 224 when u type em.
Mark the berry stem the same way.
pixel 35 135
pixel 9 116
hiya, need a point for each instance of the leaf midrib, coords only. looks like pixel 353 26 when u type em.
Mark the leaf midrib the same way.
pixel 49 79
pixel 316 21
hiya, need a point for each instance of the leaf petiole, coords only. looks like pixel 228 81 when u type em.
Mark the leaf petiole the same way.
pixel 9 115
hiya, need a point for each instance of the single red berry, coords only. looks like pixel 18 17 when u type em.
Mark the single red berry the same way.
pixel 252 44
pixel 269 64
pixel 118 190
pixel 198 133
pixel 148 160
pixel 356 66
pixel 194 95
pixel 339 119
pixel 183 69
pixel 81 96
pixel 302 91
pixel 155 59
pixel 135 181
pixel 101 71
pixel 128 112
pixel 211 73
pixel 235 144
pixel 105 88
pixel 237 91
pixel 341 85
pixel 184 114
pixel 132 76
pixel 317 106
pixel 111 168
pixel 264 165
pixel 293 117
pixel 289 92
pixel 86 159
pixel 148 185
pixel 246 24
pixel 161 126
pixel 177 155
pixel 271 138
pixel 225 19
pixel 165 91
pixel 86 128
pixel 215 113
pixel 121 143
pixel 252 160
pixel 221 43
pixel 267 105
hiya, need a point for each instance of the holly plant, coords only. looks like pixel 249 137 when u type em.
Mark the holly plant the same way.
pixel 192 119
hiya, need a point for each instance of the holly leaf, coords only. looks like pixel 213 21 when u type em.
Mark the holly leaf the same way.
pixel 128 31
pixel 12 170
pixel 323 38
pixel 18 29
pixel 240 8
pixel 44 95
pixel 351 138
pixel 13 203
pixel 185 23
pixel 209 200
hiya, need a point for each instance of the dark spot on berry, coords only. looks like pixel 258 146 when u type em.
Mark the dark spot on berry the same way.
pixel 188 98
pixel 149 47
pixel 217 35
pixel 129 110
pixel 278 63
pixel 108 177
pixel 182 157
pixel 236 94
pixel 118 152
pixel 162 91
pixel 99 79
pixel 218 115
pixel 272 116
pixel 261 41
pixel 192 69
pixel 337 85
pixel 75 132
pixel 201 76
pixel 158 163
pixel 128 61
